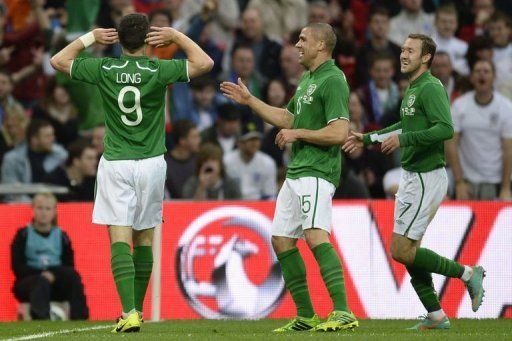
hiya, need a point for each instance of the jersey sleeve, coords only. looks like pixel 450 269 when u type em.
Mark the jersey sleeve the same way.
pixel 173 70
pixel 335 96
pixel 86 69
pixel 291 106
pixel 437 109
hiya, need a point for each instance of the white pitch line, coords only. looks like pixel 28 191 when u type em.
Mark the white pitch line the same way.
pixel 63 331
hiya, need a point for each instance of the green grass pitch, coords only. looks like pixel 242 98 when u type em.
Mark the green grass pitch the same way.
pixel 462 329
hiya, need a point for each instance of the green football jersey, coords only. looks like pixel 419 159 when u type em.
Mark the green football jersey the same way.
pixel 425 123
pixel 133 93
pixel 321 97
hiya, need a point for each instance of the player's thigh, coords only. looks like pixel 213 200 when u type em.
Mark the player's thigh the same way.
pixel 115 198
pixel 315 196
pixel 149 188
pixel 143 237
pixel 286 222
pixel 418 200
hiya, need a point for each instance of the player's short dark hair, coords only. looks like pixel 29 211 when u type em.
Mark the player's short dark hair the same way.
pixel 181 129
pixel 428 46
pixel 35 126
pixel 382 56
pixel 325 32
pixel 378 10
pixel 132 31
pixel 160 11
pixel 76 150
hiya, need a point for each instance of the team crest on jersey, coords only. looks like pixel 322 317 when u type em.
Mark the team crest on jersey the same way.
pixel 411 100
pixel 307 98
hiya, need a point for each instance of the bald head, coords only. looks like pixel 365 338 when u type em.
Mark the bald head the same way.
pixel 324 32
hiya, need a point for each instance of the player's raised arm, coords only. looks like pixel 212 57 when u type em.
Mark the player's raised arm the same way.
pixel 239 93
pixel 63 59
pixel 198 61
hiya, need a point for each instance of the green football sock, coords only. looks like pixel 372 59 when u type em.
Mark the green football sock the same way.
pixel 431 262
pixel 294 274
pixel 332 274
pixel 122 268
pixel 422 283
pixel 143 262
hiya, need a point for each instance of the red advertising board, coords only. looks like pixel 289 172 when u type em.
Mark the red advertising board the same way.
pixel 216 260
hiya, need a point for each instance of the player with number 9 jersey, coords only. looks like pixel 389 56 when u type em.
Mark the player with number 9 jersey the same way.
pixel 132 89
pixel 131 173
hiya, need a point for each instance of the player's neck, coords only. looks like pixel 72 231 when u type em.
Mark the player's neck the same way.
pixel 317 62
pixel 139 53
pixel 416 74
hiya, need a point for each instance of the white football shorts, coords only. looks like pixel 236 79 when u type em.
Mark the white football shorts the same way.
pixel 130 192
pixel 418 198
pixel 302 204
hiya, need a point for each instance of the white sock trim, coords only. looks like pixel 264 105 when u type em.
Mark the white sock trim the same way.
pixel 468 271
pixel 437 315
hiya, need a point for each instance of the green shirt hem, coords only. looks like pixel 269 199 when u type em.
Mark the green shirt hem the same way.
pixel 314 175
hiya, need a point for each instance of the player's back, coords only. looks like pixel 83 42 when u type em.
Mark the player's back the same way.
pixel 133 92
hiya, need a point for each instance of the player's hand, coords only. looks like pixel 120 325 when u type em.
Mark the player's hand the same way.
pixel 353 143
pixel 49 276
pixel 105 36
pixel 161 36
pixel 390 144
pixel 462 191
pixel 286 136
pixel 505 194
pixel 236 92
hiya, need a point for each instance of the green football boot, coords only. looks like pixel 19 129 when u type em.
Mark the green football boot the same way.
pixel 475 288
pixel 299 324
pixel 428 323
pixel 338 320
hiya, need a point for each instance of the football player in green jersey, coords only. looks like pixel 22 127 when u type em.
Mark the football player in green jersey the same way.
pixel 425 124
pixel 316 123
pixel 131 172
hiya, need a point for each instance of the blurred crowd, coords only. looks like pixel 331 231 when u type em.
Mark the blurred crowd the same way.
pixel 52 127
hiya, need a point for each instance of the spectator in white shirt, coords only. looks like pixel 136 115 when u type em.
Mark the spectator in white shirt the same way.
pixel 255 171
pixel 500 29
pixel 446 22
pixel 480 153
pixel 411 18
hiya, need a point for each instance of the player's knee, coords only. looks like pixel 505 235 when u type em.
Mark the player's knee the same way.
pixel 401 255
pixel 281 244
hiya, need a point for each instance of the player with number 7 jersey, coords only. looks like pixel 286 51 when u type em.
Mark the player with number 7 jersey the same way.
pixel 131 173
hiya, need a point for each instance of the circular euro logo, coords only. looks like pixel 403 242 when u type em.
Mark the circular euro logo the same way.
pixel 226 267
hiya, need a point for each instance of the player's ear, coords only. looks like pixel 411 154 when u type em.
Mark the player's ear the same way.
pixel 426 58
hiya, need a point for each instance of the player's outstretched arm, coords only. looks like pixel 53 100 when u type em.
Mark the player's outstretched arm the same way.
pixel 198 61
pixel 63 59
pixel 335 133
pixel 239 93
